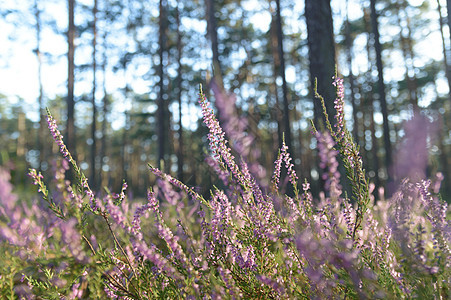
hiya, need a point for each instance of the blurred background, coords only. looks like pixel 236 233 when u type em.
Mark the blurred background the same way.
pixel 122 79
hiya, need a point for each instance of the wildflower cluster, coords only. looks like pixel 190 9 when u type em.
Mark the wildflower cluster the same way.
pixel 349 151
pixel 245 241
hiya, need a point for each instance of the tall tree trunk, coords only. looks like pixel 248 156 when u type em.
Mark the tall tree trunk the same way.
pixel 321 45
pixel 445 56
pixel 349 43
pixel 180 152
pixel 407 52
pixel 213 35
pixel 318 15
pixel 286 111
pixel 21 147
pixel 448 10
pixel 41 145
pixel 103 180
pixel 93 98
pixel 370 106
pixel 277 112
pixel 161 105
pixel 381 89
pixel 70 127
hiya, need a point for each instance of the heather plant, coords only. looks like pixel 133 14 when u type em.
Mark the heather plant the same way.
pixel 247 240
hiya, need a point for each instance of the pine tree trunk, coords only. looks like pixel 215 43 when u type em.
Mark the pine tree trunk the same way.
pixel 103 180
pixel 381 89
pixel 318 15
pixel 41 145
pixel 286 110
pixel 213 35
pixel 70 127
pixel 445 56
pixel 407 52
pixel 349 43
pixel 276 111
pixel 370 107
pixel 321 45
pixel 180 152
pixel 161 105
pixel 93 99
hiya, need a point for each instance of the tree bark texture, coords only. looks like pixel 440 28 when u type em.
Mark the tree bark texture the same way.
pixel 161 105
pixel 93 98
pixel 381 86
pixel 286 111
pixel 70 128
pixel 321 45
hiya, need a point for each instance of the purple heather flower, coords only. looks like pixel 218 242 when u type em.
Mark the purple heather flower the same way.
pixel 71 237
pixel 218 143
pixel 329 163
pixel 411 159
pixel 7 198
pixel 190 191
pixel 116 213
pixel 272 283
pixel 284 156
pixel 153 255
pixel 289 165
pixel 339 107
pixel 57 136
pixel 235 127
pixel 306 186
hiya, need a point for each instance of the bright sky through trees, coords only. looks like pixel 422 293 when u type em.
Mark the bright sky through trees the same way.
pixel 18 63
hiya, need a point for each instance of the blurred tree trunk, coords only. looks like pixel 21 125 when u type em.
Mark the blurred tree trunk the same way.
pixel 41 145
pixel 21 148
pixel 381 89
pixel 93 99
pixel 276 111
pixel 445 56
pixel 407 53
pixel 448 10
pixel 321 45
pixel 286 110
pixel 349 43
pixel 444 158
pixel 370 105
pixel 103 180
pixel 180 152
pixel 213 35
pixel 162 136
pixel 70 127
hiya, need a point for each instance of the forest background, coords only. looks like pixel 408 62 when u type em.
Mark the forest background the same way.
pixel 122 78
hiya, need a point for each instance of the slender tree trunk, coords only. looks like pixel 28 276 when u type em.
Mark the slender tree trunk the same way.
pixel 103 180
pixel 41 145
pixel 93 98
pixel 277 112
pixel 321 45
pixel 21 147
pixel 445 56
pixel 213 35
pixel 318 15
pixel 444 159
pixel 407 52
pixel 161 104
pixel 381 89
pixel 286 110
pixel 448 10
pixel 70 127
pixel 180 154
pixel 370 107
pixel 349 43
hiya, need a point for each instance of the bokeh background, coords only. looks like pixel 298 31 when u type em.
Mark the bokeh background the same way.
pixel 122 78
